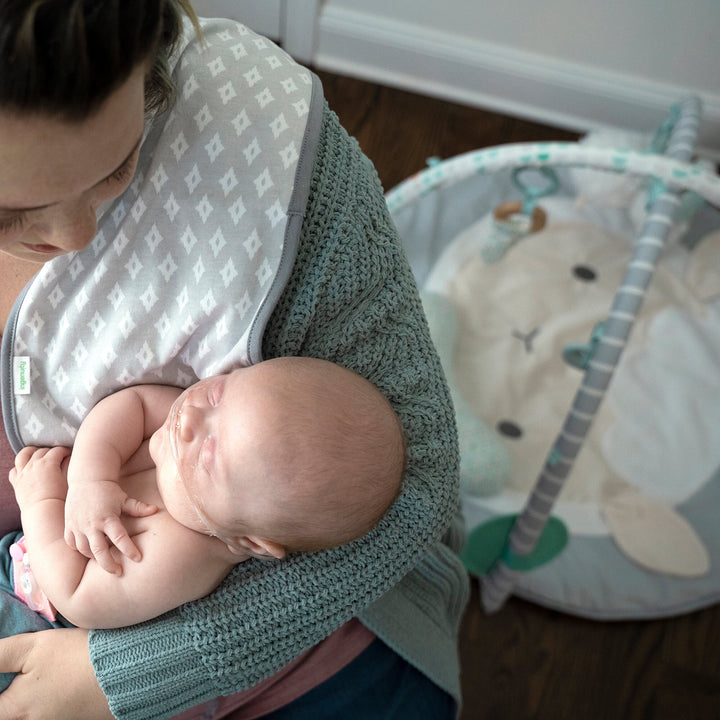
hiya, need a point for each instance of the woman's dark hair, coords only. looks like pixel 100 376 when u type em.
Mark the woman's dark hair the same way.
pixel 65 57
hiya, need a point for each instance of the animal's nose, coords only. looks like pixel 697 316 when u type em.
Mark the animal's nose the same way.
pixel 526 338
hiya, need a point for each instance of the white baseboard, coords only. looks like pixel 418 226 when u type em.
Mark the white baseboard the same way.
pixel 499 78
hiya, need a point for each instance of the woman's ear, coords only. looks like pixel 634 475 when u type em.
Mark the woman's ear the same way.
pixel 256 547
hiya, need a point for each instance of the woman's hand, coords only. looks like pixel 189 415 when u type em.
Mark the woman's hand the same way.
pixel 56 680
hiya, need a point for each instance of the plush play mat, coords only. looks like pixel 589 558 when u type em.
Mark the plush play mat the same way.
pixel 522 254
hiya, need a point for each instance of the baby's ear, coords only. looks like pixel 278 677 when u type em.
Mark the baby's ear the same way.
pixel 257 547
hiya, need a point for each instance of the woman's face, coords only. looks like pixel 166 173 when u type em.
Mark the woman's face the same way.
pixel 55 174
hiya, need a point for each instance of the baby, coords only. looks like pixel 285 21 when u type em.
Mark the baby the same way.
pixel 289 455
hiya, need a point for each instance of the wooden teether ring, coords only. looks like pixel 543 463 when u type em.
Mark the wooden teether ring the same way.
pixel 505 211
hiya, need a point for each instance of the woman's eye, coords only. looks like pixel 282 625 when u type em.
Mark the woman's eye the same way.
pixel 13 223
pixel 125 171
pixel 122 174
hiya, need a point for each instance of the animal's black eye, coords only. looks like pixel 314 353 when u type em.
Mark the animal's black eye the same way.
pixel 509 429
pixel 584 273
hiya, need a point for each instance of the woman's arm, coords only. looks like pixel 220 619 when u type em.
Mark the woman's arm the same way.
pixel 351 299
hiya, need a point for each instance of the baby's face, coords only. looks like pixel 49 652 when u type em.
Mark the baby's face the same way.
pixel 196 449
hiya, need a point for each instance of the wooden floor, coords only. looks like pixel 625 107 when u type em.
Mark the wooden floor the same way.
pixel 526 661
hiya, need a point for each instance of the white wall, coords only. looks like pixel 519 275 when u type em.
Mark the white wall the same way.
pixel 575 63
pixel 263 16
pixel 292 23
pixel 668 41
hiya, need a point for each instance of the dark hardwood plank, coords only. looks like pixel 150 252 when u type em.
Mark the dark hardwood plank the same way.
pixel 527 662
pixel 399 130
pixel 531 662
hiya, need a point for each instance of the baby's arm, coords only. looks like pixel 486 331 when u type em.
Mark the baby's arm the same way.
pixel 178 564
pixel 110 434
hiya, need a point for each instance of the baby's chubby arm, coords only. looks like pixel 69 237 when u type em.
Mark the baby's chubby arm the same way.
pixel 110 434
pixel 178 564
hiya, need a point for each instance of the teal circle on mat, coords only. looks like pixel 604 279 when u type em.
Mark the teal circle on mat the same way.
pixel 486 544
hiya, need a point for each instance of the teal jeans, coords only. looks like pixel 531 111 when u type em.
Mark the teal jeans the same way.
pixel 15 616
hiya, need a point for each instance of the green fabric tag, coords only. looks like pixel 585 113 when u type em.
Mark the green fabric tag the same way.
pixel 487 543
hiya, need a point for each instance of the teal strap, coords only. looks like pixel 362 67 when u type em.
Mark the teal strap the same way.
pixel 579 355
pixel 661 139
pixel 532 193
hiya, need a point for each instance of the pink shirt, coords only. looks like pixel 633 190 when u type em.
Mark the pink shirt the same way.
pixel 303 674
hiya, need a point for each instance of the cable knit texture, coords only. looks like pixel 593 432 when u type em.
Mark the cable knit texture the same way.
pixel 351 299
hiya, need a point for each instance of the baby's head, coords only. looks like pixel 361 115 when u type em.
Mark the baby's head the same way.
pixel 291 454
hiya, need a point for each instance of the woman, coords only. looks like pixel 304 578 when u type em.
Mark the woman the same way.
pixel 179 235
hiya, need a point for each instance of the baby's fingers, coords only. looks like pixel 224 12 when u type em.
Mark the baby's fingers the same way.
pixel 80 542
pixel 23 457
pixel 69 536
pixel 138 508
pixel 118 535
pixel 103 557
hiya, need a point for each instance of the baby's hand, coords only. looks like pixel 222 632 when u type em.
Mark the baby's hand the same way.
pixel 93 524
pixel 39 474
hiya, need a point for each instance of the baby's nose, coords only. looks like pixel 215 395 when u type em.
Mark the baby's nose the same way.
pixel 190 422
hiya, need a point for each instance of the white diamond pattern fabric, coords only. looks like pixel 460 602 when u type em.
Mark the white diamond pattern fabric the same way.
pixel 175 284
